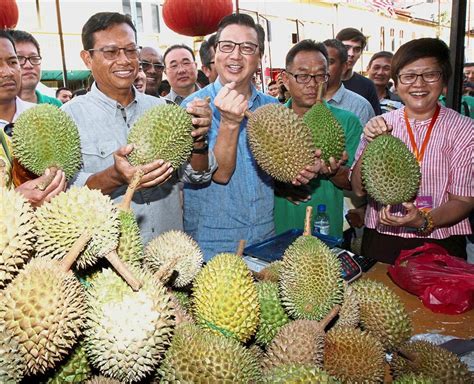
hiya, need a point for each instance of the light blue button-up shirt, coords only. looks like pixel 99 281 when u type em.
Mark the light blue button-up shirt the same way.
pixel 218 216
pixel 352 102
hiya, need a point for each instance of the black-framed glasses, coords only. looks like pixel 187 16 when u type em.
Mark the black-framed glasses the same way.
pixel 8 129
pixel 112 52
pixel 34 60
pixel 245 48
pixel 305 78
pixel 428 77
pixel 148 65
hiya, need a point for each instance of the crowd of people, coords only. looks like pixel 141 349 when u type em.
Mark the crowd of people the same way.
pixel 220 195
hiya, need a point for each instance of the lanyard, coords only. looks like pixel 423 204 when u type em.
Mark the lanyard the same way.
pixel 419 154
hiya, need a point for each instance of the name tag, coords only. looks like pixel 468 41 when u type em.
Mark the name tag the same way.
pixel 424 203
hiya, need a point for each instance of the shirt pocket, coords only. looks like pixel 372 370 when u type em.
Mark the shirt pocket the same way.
pixel 97 156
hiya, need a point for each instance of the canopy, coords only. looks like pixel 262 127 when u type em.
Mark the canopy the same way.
pixel 71 75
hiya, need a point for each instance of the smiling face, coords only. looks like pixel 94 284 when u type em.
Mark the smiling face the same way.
pixel 420 98
pixel 10 75
pixel 140 81
pixel 379 71
pixel 154 73
pixel 114 77
pixel 234 66
pixel 30 74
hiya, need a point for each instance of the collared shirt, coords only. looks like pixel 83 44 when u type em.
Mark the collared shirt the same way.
pixel 177 99
pixel 366 88
pixel 45 99
pixel 103 127
pixel 352 102
pixel 217 216
pixel 322 190
pixel 5 142
pixel 446 167
pixel 390 102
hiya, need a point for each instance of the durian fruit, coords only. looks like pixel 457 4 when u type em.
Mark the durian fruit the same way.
pixel 390 172
pixel 74 369
pixel 411 378
pixel 12 367
pixel 102 380
pixel 272 314
pixel 354 356
pixel 310 279
pixel 162 132
pixel 200 356
pixel 17 233
pixel 42 310
pixel 349 315
pixel 127 332
pixel 424 358
pixel 178 248
pixel 328 134
pixel 181 315
pixel 45 136
pixel 183 298
pixel 270 273
pixel 382 313
pixel 280 141
pixel 225 298
pixel 297 374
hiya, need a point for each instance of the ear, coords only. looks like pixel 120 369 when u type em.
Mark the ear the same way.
pixel 86 58
pixel 206 70
pixel 286 79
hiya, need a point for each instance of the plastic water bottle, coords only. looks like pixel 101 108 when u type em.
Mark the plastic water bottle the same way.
pixel 321 221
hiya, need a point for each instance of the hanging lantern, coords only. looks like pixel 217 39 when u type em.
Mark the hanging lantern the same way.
pixel 195 17
pixel 8 14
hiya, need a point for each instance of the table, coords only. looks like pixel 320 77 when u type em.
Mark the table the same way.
pixel 424 320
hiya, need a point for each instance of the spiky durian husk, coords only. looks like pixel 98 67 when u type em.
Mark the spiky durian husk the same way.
pixel 74 369
pixel 297 373
pixel 349 315
pixel 354 356
pixel 63 220
pixel 102 380
pixel 181 315
pixel 411 378
pixel 12 367
pixel 45 136
pixel 43 311
pixel 432 361
pixel 271 272
pixel 130 246
pixel 301 341
pixel 17 233
pixel 382 313
pixel 310 279
pixel 225 298
pixel 272 314
pixel 328 134
pixel 200 356
pixel 390 172
pixel 127 332
pixel 164 248
pixel 162 132
pixel 280 141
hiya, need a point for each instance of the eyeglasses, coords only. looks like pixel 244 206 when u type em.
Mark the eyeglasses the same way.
pixel 112 52
pixel 304 78
pixel 245 48
pixel 147 65
pixel 184 64
pixel 34 60
pixel 8 129
pixel 428 77
pixel 355 48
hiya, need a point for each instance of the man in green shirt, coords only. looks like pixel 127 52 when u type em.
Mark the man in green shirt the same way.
pixel 306 68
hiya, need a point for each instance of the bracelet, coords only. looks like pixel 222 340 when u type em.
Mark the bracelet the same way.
pixel 428 226
pixel 200 151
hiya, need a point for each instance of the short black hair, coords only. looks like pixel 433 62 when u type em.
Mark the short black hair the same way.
pixel 100 22
pixel 6 35
pixel 205 50
pixel 245 20
pixel 62 89
pixel 471 64
pixel 178 46
pixel 79 92
pixel 24 37
pixel 378 55
pixel 164 87
pixel 352 34
pixel 419 49
pixel 305 45
pixel 273 82
pixel 341 49
pixel 202 79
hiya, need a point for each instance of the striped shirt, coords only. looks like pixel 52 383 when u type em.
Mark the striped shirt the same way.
pixel 447 167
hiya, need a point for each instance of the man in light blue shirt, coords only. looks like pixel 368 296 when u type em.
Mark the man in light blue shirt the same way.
pixel 238 202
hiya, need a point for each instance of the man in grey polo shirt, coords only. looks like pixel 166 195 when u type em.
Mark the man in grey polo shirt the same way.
pixel 104 117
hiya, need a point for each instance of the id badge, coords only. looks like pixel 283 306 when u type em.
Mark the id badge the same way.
pixel 424 203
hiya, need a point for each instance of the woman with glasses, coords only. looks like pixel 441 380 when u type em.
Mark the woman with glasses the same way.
pixel 441 140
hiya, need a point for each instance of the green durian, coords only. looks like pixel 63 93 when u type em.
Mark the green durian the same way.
pixel 74 369
pixel 297 374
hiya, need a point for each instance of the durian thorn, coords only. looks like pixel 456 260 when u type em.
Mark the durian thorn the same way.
pixel 164 273
pixel 45 183
pixel 328 318
pixel 127 199
pixel 319 98
pixel 240 249
pixel 123 270
pixel 2 173
pixel 248 114
pixel 76 249
pixel 307 221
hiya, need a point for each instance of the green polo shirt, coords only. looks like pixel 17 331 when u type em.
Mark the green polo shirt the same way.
pixel 323 191
pixel 44 99
pixel 466 102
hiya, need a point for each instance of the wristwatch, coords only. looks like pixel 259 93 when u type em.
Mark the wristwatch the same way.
pixel 202 150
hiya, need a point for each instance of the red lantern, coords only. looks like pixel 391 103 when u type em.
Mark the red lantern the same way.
pixel 8 14
pixel 195 17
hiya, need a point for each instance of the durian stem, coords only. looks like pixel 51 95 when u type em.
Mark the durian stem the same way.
pixel 2 173
pixel 44 184
pixel 407 355
pixel 164 273
pixel 307 221
pixel 240 249
pixel 123 270
pixel 319 98
pixel 127 199
pixel 248 114
pixel 328 318
pixel 76 249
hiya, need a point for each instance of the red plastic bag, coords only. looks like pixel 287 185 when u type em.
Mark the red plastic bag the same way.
pixel 444 283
